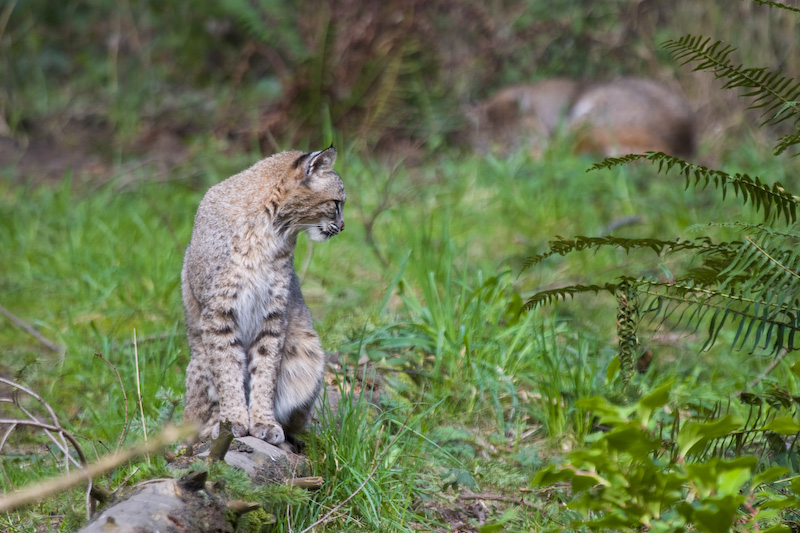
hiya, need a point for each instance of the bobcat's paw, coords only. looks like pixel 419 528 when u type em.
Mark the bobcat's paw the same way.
pixel 239 430
pixel 272 433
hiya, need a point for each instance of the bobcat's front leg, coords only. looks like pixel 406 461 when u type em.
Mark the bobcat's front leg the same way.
pixel 227 366
pixel 265 364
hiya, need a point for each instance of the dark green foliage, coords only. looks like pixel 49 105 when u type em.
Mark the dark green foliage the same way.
pixel 772 92
pixel 651 470
pixel 750 285
pixel 695 467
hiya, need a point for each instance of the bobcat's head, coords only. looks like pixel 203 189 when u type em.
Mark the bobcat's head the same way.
pixel 317 199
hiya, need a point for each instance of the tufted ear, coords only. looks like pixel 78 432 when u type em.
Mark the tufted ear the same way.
pixel 321 161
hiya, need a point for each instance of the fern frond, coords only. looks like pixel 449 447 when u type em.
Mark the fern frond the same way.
pixel 776 4
pixel 562 293
pixel 758 229
pixel 785 142
pixel 627 325
pixel 563 246
pixel 777 95
pixel 772 322
pixel 773 200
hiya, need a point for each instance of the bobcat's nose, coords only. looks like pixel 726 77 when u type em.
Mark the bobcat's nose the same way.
pixel 341 225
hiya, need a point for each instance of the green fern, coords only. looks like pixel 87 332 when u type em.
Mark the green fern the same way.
pixel 751 286
pixel 776 4
pixel 563 246
pixel 778 96
pixel 771 199
pixel 553 295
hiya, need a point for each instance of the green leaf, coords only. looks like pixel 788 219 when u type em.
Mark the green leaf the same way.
pixel 651 402
pixel 586 480
pixel 769 475
pixel 719 516
pixel 607 412
pixel 694 434
pixel 780 528
pixel 633 440
pixel 551 475
pixel 795 483
pixel 613 369
pixel 784 425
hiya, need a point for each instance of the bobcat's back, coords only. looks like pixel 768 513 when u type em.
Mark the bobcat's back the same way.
pixel 607 117
pixel 255 358
pixel 522 115
pixel 632 115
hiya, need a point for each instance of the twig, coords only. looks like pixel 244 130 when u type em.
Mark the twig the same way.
pixel 2 444
pixel 55 429
pixel 775 362
pixel 61 445
pixel 139 389
pixel 124 397
pixel 49 430
pixel 497 498
pixel 50 345
pixel 55 426
pixel 9 502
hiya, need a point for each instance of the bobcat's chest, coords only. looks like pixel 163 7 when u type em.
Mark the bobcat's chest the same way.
pixel 258 283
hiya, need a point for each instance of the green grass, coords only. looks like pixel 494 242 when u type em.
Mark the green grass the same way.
pixel 476 395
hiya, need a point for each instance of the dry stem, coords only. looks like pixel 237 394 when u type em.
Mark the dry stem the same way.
pixel 30 330
pixel 124 397
pixel 9 502
pixel 139 390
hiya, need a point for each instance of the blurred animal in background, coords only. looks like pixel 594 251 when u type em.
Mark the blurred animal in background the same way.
pixel 609 118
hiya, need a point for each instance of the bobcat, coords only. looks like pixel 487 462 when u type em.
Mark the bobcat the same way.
pixel 631 115
pixel 522 115
pixel 255 357
pixel 607 117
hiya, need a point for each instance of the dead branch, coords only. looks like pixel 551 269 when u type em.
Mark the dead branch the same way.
pixel 222 443
pixel 497 498
pixel 12 501
pixel 775 362
pixel 47 428
pixel 308 483
pixel 34 421
pixel 30 330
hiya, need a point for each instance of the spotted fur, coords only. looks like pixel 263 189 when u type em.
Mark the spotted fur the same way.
pixel 255 357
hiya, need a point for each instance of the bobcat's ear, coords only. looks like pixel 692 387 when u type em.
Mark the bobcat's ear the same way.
pixel 321 161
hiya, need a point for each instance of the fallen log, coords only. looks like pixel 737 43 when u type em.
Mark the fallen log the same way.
pixel 173 505
pixel 189 504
